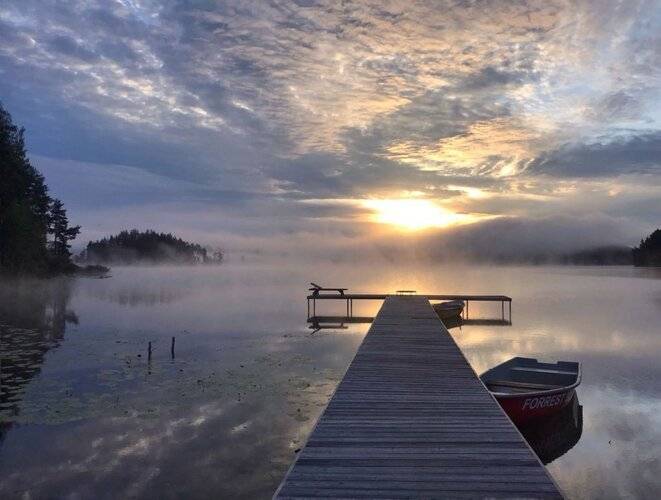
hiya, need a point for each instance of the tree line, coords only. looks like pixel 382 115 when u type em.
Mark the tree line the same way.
pixel 648 253
pixel 35 233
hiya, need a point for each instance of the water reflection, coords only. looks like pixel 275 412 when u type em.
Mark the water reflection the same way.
pixel 221 420
pixel 555 435
pixel 134 297
pixel 249 380
pixel 33 319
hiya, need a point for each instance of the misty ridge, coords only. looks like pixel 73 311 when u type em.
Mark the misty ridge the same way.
pixel 508 240
pixel 557 240
pixel 147 247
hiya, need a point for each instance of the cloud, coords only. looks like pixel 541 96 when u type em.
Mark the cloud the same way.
pixel 70 48
pixel 640 153
pixel 291 101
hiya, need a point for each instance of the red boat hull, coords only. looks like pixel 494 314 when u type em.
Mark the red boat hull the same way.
pixel 529 406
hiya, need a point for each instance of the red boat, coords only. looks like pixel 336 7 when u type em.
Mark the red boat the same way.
pixel 527 389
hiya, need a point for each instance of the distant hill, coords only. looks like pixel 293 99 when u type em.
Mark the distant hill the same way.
pixel 600 256
pixel 648 253
pixel 147 247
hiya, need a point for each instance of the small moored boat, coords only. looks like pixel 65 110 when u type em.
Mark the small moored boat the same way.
pixel 526 388
pixel 450 309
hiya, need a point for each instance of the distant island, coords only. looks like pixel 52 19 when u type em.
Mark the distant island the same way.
pixel 147 247
pixel 648 253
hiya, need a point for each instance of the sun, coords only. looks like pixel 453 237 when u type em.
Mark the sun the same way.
pixel 414 214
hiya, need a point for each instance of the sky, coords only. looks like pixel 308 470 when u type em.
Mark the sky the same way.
pixel 334 128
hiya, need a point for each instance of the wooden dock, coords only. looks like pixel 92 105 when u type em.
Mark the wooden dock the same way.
pixel 411 419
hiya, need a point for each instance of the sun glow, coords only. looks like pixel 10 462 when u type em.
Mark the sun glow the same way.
pixel 414 214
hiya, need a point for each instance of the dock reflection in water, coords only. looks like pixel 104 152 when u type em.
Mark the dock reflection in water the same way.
pixel 317 323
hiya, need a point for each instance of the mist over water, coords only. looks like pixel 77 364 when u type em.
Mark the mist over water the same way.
pixel 84 412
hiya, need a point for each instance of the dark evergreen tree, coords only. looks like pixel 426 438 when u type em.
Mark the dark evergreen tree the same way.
pixel 62 234
pixel 648 253
pixel 25 208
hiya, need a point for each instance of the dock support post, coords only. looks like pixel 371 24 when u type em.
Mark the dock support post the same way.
pixel 502 310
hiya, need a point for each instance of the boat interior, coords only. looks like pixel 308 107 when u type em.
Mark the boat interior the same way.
pixel 523 375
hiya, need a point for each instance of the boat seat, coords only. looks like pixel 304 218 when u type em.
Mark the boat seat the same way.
pixel 542 370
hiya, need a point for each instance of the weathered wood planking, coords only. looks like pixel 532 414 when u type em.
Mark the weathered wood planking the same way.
pixel 409 419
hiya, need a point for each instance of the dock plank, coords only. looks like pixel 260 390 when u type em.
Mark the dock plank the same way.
pixel 411 419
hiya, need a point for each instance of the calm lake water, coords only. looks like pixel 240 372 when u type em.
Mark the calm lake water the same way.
pixel 85 414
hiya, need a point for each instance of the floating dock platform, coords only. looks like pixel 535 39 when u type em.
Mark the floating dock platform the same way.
pixel 411 419
pixel 324 294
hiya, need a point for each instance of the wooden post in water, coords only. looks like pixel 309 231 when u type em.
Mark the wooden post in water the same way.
pixel 172 349
pixel 149 351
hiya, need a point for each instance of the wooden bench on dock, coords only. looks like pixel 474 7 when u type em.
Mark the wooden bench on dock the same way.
pixel 317 289
pixel 411 419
